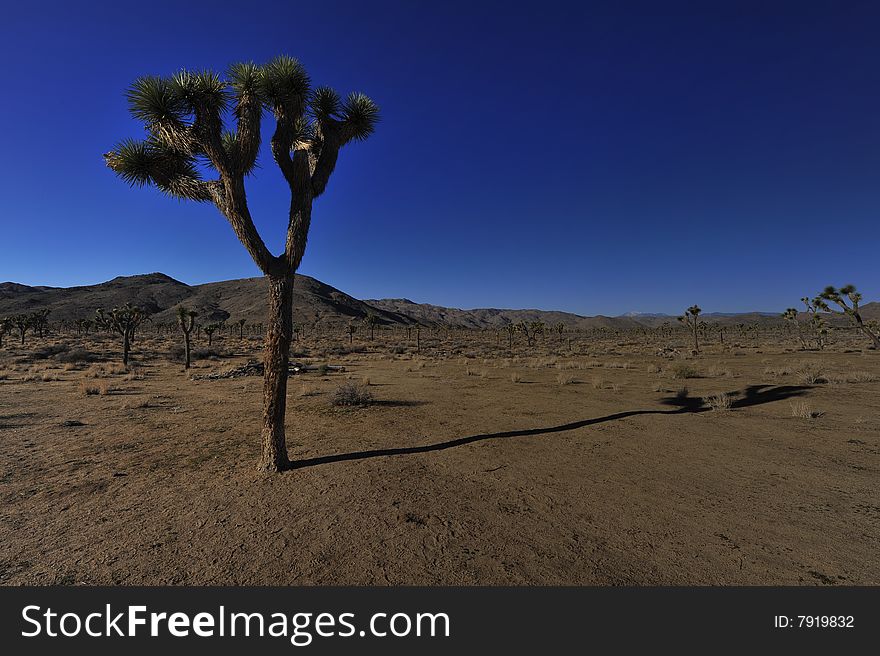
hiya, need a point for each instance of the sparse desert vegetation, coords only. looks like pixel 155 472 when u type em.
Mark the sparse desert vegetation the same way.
pixel 149 462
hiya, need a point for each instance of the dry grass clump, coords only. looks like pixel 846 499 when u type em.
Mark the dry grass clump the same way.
pixel 684 370
pixel 851 377
pixel 134 373
pixel 137 404
pixel 516 378
pixel 351 394
pixel 567 365
pixel 718 402
pixel 777 372
pixel 306 391
pixel 653 368
pixel 599 383
pixel 90 388
pixel 565 379
pixel 716 371
pixel 105 370
pixel 810 373
pixel 804 410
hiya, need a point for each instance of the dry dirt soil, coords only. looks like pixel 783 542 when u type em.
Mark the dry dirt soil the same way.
pixel 474 465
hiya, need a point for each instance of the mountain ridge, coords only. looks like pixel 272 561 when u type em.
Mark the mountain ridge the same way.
pixel 314 302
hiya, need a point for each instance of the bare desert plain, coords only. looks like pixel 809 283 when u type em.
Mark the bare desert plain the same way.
pixel 609 459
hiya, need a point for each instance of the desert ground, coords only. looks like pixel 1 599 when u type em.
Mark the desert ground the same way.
pixel 611 460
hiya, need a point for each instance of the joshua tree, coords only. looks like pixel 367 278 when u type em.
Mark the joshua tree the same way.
pixel 372 321
pixel 39 320
pixel 209 331
pixel 352 329
pixel 186 319
pixel 22 322
pixel 5 327
pixel 240 323
pixel 791 316
pixel 184 118
pixel 531 330
pixel 851 309
pixel 689 318
pixel 418 329
pixel 511 329
pixel 123 320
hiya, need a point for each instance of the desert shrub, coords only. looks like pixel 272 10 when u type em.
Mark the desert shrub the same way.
pixel 74 355
pixel 718 402
pixel 135 373
pixel 684 370
pixel 599 383
pixel 777 372
pixel 323 369
pixel 565 379
pixel 653 368
pixel 398 349
pixel 177 353
pixel 206 354
pixel 716 371
pixel 804 410
pixel 50 351
pixel 810 373
pixel 351 394
pixel 515 378
pixel 852 377
pixel 90 387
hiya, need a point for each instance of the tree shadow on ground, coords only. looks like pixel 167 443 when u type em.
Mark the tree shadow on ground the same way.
pixel 683 404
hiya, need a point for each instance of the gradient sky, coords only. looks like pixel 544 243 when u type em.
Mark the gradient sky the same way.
pixel 595 157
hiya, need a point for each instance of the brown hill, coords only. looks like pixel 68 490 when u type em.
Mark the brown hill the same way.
pixel 161 295
pixel 314 302
pixel 488 318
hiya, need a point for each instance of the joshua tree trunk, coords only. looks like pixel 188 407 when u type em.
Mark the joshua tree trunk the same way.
pixel 126 345
pixel 186 349
pixel 696 341
pixel 279 332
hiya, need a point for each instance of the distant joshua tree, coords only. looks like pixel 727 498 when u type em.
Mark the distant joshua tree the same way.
pixel 83 326
pixel 210 329
pixel 511 331
pixel 851 309
pixel 39 320
pixel 123 320
pixel 791 316
pixel 186 319
pixel 689 318
pixel 184 117
pixel 22 322
pixel 531 330
pixel 240 323
pixel 372 321
pixel 5 327
pixel 352 329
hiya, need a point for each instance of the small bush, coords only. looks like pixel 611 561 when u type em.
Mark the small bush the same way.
pixel 718 402
pixel 804 410
pixel 684 370
pixel 515 378
pixel 810 373
pixel 74 356
pixel 564 379
pixel 351 394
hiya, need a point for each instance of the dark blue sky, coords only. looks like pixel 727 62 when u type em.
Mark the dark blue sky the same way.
pixel 590 157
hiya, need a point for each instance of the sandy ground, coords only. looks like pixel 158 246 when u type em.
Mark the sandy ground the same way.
pixel 594 468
